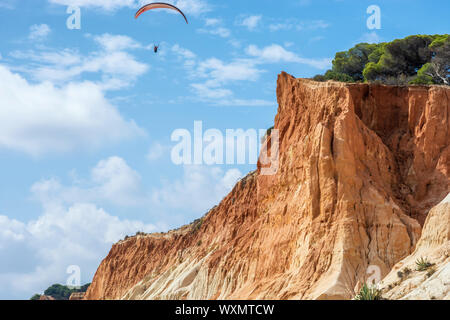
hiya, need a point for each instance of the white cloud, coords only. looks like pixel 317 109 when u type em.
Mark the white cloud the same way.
pixel 117 181
pixel 200 188
pixel 111 42
pixel 250 22
pixel 40 118
pixel 36 254
pixel 370 37
pixel 108 5
pixel 73 229
pixel 205 91
pixel 220 31
pixel 313 25
pixel 156 151
pixel 219 72
pixel 8 4
pixel 193 7
pixel 39 32
pixel 294 24
pixel 280 26
pixel 215 27
pixel 112 181
pixel 276 53
pixel 215 74
pixel 115 67
pixel 185 53
pixel 210 22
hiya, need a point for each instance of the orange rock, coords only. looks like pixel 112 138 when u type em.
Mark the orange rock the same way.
pixel 77 296
pixel 360 167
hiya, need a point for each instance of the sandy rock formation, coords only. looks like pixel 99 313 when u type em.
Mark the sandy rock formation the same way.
pixel 360 166
pixel 77 296
pixel 405 281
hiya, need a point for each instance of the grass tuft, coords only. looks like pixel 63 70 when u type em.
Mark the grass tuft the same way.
pixel 369 293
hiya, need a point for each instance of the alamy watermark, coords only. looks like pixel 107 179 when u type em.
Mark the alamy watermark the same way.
pixel 74 280
pixel 236 146
pixel 374 273
pixel 374 20
pixel 74 20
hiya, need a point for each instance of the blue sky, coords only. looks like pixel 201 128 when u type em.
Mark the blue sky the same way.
pixel 86 116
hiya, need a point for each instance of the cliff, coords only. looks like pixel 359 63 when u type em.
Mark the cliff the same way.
pixel 406 281
pixel 360 167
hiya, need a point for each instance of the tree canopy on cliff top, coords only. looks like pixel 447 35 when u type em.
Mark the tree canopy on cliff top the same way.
pixel 60 292
pixel 417 59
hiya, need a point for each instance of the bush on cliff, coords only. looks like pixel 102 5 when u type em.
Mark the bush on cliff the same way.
pixel 60 292
pixel 368 292
pixel 418 59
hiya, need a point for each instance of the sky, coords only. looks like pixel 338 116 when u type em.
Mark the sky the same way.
pixel 87 114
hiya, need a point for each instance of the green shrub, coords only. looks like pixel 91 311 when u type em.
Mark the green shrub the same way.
pixel 423 264
pixel 369 293
pixel 60 292
pixel 417 59
pixel 319 78
pixel 196 225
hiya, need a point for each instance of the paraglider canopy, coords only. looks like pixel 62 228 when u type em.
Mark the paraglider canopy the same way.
pixel 158 5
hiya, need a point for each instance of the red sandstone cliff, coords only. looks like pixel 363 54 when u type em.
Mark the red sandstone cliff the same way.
pixel 360 168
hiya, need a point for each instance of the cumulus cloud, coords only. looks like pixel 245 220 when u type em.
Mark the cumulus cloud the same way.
pixel 112 42
pixel 156 151
pixel 40 118
pixel 219 73
pixel 193 7
pixel 201 188
pixel 108 5
pixel 74 229
pixel 115 67
pixel 370 37
pixel 215 27
pixel 276 53
pixel 250 22
pixel 210 76
pixel 39 32
pixel 111 181
pixel 294 24
pixel 37 254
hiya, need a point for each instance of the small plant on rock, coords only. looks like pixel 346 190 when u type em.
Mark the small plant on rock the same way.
pixel 423 264
pixel 407 271
pixel 369 293
pixel 431 272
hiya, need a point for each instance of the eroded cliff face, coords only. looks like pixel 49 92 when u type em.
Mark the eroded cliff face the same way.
pixel 406 281
pixel 360 167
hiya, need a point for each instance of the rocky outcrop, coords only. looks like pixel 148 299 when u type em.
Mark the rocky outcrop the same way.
pixel 405 281
pixel 77 296
pixel 360 167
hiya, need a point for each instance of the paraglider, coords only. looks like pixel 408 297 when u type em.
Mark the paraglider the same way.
pixel 159 5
